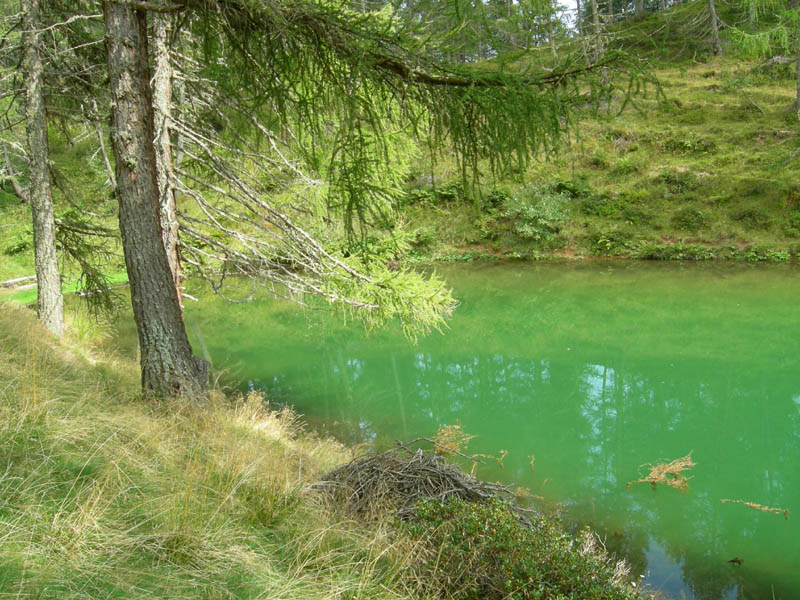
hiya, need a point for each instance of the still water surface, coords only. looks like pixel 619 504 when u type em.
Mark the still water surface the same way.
pixel 594 369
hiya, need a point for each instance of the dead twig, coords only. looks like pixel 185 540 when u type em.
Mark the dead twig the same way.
pixel 761 507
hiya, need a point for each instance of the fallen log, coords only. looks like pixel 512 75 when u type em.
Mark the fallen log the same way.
pixel 17 281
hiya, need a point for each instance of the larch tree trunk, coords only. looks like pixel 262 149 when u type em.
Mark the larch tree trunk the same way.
pixel 797 77
pixel 610 11
pixel 598 50
pixel 638 6
pixel 168 366
pixel 165 175
pixel 579 19
pixel 715 42
pixel 50 302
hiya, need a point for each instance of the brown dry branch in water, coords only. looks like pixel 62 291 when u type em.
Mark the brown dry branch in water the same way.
pixel 451 439
pixel 399 478
pixel 668 474
pixel 771 509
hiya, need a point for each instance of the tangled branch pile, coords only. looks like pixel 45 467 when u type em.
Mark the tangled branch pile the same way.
pixel 399 478
pixel 668 474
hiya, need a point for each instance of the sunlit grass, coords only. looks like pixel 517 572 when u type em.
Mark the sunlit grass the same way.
pixel 105 495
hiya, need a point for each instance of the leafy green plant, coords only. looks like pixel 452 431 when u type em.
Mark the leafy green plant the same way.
pixel 537 213
pixel 475 551
pixel 612 242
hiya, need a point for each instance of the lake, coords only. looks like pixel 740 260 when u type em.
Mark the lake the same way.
pixel 582 373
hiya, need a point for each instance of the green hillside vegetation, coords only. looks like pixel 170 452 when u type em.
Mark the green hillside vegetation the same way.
pixel 707 169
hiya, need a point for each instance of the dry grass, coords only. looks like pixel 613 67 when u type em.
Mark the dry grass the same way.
pixel 104 495
pixel 668 473
pixel 451 439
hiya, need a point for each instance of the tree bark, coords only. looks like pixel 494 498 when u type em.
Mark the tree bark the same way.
pixel 165 175
pixel 638 6
pixel 168 366
pixel 598 50
pixel 715 42
pixel 49 301
pixel 797 90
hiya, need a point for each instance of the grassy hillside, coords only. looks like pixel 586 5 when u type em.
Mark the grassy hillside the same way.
pixel 706 169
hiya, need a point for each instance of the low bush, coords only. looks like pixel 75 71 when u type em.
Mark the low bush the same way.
pixel 537 214
pixel 483 551
pixel 752 218
pixel 689 219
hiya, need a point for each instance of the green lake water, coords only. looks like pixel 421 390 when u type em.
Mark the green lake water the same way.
pixel 594 369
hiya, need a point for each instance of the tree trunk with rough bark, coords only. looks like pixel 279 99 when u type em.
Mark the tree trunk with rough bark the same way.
pixel 797 91
pixel 598 50
pixel 715 42
pixel 168 366
pixel 50 302
pixel 165 175
pixel 638 6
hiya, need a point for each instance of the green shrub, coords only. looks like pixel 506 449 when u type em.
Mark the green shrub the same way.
pixel 578 187
pixel 496 198
pixel 476 551
pixel 611 243
pixel 752 218
pixel 537 213
pixel 679 182
pixel 689 219
pixel 599 205
pixel 19 246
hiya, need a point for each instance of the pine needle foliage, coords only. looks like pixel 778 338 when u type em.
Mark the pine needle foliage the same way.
pixel 313 99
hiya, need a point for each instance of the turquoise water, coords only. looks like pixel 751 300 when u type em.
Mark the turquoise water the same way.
pixel 593 369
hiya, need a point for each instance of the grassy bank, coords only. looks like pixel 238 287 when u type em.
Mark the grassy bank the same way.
pixel 706 169
pixel 104 495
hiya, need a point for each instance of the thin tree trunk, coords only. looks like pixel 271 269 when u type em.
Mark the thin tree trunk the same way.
pixel 579 19
pixel 610 11
pixel 168 366
pixel 797 91
pixel 598 50
pixel 638 6
pixel 165 175
pixel 716 45
pixel 662 5
pixel 112 180
pixel 19 191
pixel 50 302
pixel 550 37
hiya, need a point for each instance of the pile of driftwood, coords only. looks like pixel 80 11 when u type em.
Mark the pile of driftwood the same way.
pixel 399 478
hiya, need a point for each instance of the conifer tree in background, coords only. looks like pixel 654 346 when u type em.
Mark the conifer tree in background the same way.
pixel 780 33
pixel 50 302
